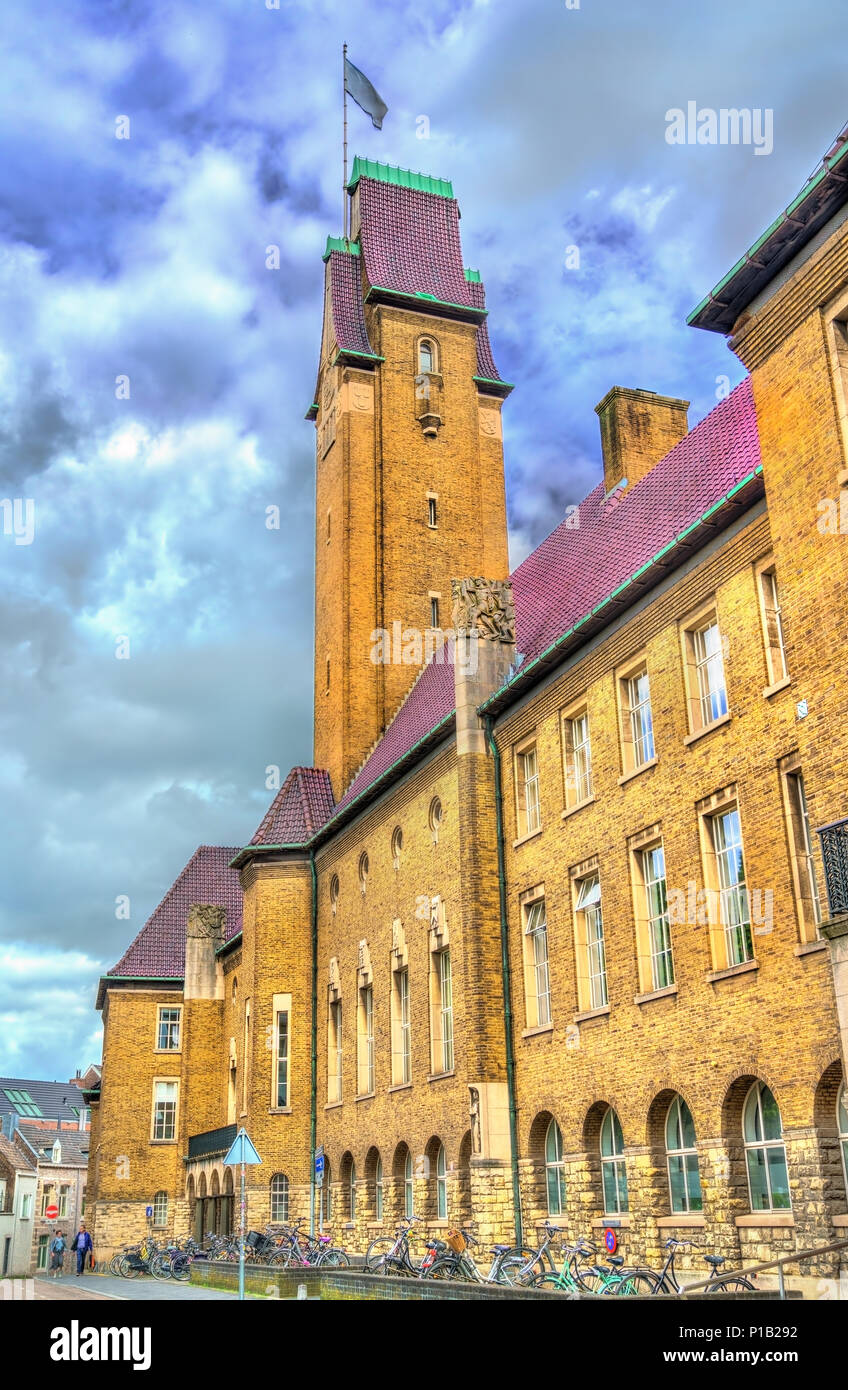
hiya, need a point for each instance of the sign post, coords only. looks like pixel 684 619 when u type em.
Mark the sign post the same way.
pixel 319 1183
pixel 241 1152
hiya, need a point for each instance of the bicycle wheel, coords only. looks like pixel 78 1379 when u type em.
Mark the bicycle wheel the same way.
pixel 730 1283
pixel 160 1265
pixel 443 1268
pixel 129 1270
pixel 551 1283
pixel 522 1263
pixel 181 1268
pixel 334 1259
pixel 631 1282
pixel 377 1250
pixel 115 1263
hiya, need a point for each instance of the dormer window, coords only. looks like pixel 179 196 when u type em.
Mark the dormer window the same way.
pixel 426 356
pixel 56 1153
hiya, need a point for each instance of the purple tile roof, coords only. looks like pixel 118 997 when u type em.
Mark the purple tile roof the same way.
pixel 158 951
pixel 485 361
pixel 410 242
pixel 301 806
pixel 346 303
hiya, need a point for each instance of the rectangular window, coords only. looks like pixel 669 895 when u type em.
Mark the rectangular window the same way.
pixel 2 1194
pixel 441 1011
pixel 578 758
pixel 46 1198
pixel 334 1053
pixel 733 906
pixel 164 1110
pixel 656 918
pixel 636 718
pixel 431 512
pixel 801 848
pixel 63 1201
pixel 245 1056
pixel 528 807
pixel 365 1042
pixel 401 1033
pixel 592 966
pixel 536 972
pixel 772 620
pixel 434 611
pixel 43 1242
pixel 26 1206
pixel 281 1059
pixel 168 1031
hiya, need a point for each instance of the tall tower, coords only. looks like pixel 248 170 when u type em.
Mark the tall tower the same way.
pixel 410 481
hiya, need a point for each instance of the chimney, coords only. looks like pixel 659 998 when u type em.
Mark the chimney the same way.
pixel 484 625
pixel 204 934
pixel 638 428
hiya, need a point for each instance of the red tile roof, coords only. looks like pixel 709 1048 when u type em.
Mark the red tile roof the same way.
pixel 346 303
pixel 410 242
pixel 158 951
pixel 301 806
pixel 485 361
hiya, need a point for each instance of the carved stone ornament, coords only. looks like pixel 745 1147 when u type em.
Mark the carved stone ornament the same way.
pixel 484 605
pixel 206 921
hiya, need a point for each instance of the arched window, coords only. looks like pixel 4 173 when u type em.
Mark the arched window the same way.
pixel 327 1191
pixel 684 1180
pixel 352 1191
pixel 768 1178
pixel 235 989
pixel 397 846
pixel 279 1197
pixel 435 817
pixel 441 1184
pixel 408 1192
pixel 613 1171
pixel 426 356
pixel 843 1129
pixel 378 1190
pixel 554 1170
pixel 363 871
pixel 334 892
pixel 160 1209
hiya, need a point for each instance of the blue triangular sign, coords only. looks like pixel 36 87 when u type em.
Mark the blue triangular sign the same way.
pixel 242 1150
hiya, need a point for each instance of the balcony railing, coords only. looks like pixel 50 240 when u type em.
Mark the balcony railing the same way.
pixel 834 848
pixel 212 1143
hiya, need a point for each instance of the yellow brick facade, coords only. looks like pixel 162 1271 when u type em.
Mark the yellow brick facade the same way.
pixel 707 1038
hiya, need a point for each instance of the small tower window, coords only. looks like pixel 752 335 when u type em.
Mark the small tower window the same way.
pixel 397 846
pixel 426 356
pixel 328 675
pixel 334 892
pixel 432 515
pixel 434 611
pixel 329 525
pixel 363 871
pixel 435 818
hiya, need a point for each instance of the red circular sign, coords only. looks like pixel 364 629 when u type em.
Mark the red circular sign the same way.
pixel 610 1240
pixel 52 1212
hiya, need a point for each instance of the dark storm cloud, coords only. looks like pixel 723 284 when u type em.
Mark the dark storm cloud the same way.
pixel 145 259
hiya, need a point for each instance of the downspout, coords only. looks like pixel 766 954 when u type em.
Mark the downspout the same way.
pixel 507 990
pixel 313 1085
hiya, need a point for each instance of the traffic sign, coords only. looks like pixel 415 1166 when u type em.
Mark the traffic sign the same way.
pixel 148 1211
pixel 610 1240
pixel 52 1212
pixel 319 1163
pixel 242 1150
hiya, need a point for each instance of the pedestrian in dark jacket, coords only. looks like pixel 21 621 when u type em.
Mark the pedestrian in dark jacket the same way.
pixel 82 1243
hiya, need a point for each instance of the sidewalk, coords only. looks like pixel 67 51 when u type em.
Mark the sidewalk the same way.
pixel 144 1289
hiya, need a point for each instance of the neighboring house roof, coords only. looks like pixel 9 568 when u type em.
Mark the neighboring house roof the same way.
pixel 301 806
pixel 74 1144
pixel 158 952
pixel 52 1100
pixel 14 1156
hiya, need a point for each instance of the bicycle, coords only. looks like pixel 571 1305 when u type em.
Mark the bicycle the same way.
pixel 300 1250
pixel 389 1255
pixel 539 1261
pixel 666 1282
pixel 507 1266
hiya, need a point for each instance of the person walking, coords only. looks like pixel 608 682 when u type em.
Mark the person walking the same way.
pixel 57 1254
pixel 82 1243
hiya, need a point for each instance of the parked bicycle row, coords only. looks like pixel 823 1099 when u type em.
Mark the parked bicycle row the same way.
pixel 284 1247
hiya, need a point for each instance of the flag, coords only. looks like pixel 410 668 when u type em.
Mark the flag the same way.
pixel 358 86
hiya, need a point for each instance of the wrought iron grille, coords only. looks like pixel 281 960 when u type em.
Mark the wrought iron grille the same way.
pixel 834 847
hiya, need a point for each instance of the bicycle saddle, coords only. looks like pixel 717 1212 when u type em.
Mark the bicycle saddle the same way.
pixel 616 1261
pixel 714 1260
pixel 498 1249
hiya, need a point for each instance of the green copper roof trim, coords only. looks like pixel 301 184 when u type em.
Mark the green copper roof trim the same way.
pixel 401 178
pixel 811 184
pixel 348 352
pixel 494 381
pixel 520 676
pixel 472 276
pixel 339 243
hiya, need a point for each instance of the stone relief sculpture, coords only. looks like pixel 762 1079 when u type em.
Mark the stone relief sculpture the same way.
pixel 484 605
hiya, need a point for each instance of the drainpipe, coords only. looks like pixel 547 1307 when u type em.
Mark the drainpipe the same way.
pixel 507 991
pixel 313 1086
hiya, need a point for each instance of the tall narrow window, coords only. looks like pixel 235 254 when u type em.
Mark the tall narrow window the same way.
pixel 536 971
pixel 684 1179
pixel 164 1111
pixel 803 864
pixel 281 1039
pixel 441 1184
pixel 279 1198
pixel 656 905
pixel 168 1031
pixel 592 971
pixel 41 1262
pixel 378 1189
pixel 446 1008
pixel 734 908
pixel 352 1192
pixel 160 1208
pixel 578 759
pixel 637 720
pixel 554 1170
pixel 527 790
pixel 63 1194
pixel 245 1055
pixel 842 1127
pixel 773 627
pixel 408 1186
pixel 334 1053
pixel 426 356
pixel 328 673
pixel 365 1085
pixel 709 667
pixel 613 1170
pixel 401 1035
pixel 432 515
pixel 434 611
pixel 768 1177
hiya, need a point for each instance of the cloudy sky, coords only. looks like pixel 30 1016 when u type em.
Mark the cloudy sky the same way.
pixel 144 258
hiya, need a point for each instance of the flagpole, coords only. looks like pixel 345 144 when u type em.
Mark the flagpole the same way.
pixel 344 105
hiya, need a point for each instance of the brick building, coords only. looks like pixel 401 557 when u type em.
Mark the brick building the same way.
pixel 548 928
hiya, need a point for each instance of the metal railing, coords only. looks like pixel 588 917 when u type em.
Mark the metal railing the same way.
pixel 834 848
pixel 793 1257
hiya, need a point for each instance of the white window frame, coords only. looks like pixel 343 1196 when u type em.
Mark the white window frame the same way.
pixel 335 1052
pixel 378 1189
pixel 577 757
pixel 636 731
pixel 842 1129
pixel 401 1028
pixel 408 1185
pixel 366 1056
pixel 658 927
pixel 734 922
pixel 441 1184
pixel 592 981
pixel 172 1105
pixel 555 1166
pixel 681 1153
pixel 528 804
pixel 279 1194
pixel 616 1161
pixel 808 905
pixel 771 617
pixel 169 1025
pixel 281 1008
pixel 537 973
pixel 160 1217
pixel 753 1145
